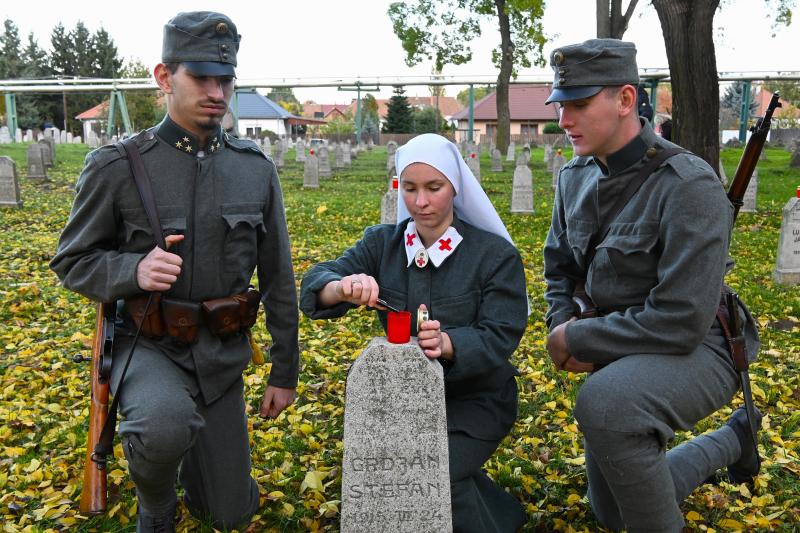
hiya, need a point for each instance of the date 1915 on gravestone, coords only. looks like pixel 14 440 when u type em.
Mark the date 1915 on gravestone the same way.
pixel 395 476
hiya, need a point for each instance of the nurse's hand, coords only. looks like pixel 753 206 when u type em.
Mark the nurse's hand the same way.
pixel 357 289
pixel 433 341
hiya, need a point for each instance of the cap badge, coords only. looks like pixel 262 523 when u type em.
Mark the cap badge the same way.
pixel 558 57
pixel 222 28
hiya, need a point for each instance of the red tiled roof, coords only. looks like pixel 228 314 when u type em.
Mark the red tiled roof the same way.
pixel 525 102
pixel 95 112
pixel 762 99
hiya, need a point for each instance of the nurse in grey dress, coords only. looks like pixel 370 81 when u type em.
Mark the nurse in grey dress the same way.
pixel 451 254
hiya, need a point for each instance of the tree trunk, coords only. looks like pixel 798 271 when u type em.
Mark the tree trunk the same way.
pixel 610 20
pixel 687 26
pixel 503 78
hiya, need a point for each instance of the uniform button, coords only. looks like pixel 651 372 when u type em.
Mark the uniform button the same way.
pixel 651 152
pixel 562 80
pixel 149 135
pixel 222 28
pixel 224 47
pixel 224 56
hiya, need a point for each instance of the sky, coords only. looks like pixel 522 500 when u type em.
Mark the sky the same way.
pixel 347 39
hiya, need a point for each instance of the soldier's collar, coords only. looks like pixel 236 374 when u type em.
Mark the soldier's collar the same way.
pixel 631 153
pixel 186 142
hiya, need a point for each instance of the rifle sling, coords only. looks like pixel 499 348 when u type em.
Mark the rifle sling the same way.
pixel 623 199
pixel 105 444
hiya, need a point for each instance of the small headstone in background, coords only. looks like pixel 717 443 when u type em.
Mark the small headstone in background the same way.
pixel 18 135
pixel 300 151
pixel 787 267
pixel 69 138
pixel 522 190
pixel 370 144
pixel 324 161
pixel 77 139
pixel 278 158
pixel 311 171
pixel 497 164
pixel 558 161
pixel 52 142
pixel 267 146
pixel 65 137
pixel 36 168
pixel 347 152
pixel 338 151
pixel 522 160
pixel 395 470
pixel 28 136
pixel 389 203
pixel 9 185
pixel 474 164
pixel 749 199
pixel 512 149
pixel 47 154
pixel 548 156
pixel 5 135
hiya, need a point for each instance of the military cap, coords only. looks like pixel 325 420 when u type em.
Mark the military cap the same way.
pixel 205 42
pixel 582 70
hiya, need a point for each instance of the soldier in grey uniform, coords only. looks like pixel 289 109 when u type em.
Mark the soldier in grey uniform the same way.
pixel 657 354
pixel 182 402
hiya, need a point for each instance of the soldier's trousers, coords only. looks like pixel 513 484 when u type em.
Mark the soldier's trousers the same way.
pixel 168 432
pixel 628 412
pixel 479 505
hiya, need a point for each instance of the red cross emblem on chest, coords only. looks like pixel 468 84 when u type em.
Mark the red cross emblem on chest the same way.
pixel 410 239
pixel 421 261
pixel 444 244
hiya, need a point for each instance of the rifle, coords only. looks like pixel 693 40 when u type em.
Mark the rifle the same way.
pixel 93 495
pixel 749 160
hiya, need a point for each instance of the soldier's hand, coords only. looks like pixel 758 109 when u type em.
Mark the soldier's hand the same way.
pixel 578 367
pixel 557 345
pixel 275 400
pixel 159 269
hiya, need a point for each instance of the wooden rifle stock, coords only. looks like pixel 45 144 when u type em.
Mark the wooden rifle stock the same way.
pixel 94 494
pixel 749 160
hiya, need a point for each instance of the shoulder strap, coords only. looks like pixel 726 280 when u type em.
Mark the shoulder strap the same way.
pixel 629 193
pixel 145 190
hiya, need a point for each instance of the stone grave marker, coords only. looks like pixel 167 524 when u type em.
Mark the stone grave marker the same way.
pixel 347 152
pixel 52 142
pixel 787 265
pixel 5 135
pixel 36 168
pixel 324 161
pixel 47 154
pixel 311 171
pixel 28 136
pixel 338 150
pixel 395 472
pixel 65 137
pixel 18 135
pixel 9 185
pixel 389 203
pixel 300 151
pixel 558 161
pixel 370 144
pixel 749 199
pixel 522 190
pixel 512 150
pixel 497 163
pixel 267 147
pixel 474 164
pixel 77 139
pixel 548 156
pixel 278 158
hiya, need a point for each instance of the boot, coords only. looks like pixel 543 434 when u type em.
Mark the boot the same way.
pixel 147 523
pixel 749 463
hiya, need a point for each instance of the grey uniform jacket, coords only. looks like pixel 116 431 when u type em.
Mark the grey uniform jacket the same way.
pixel 478 295
pixel 228 204
pixel 663 260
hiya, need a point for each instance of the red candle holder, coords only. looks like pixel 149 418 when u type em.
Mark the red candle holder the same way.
pixel 399 327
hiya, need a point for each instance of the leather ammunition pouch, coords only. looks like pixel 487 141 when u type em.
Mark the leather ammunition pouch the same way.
pixel 181 319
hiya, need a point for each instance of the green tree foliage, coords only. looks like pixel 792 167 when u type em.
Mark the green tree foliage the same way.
pixel 398 113
pixel 10 60
pixel 552 127
pixel 441 30
pixel 369 109
pixel 339 126
pixel 426 120
pixel 478 93
pixel 143 108
pixel 788 89
pixel 32 109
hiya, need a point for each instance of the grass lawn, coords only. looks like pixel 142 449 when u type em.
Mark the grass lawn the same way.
pixel 44 386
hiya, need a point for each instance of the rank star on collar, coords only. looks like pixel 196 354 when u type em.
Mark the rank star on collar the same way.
pixel 440 250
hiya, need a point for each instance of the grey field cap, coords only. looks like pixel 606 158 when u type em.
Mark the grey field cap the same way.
pixel 582 70
pixel 204 41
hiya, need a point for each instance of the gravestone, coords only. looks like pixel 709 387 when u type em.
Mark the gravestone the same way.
pixel 558 161
pixel 36 168
pixel 522 190
pixel 512 149
pixel 370 144
pixel 52 143
pixel 474 164
pixel 749 199
pixel 68 138
pixel 5 135
pixel 347 152
pixel 389 203
pixel 391 149
pixel 18 135
pixel 267 146
pixel 65 137
pixel 77 139
pixel 300 151
pixel 311 171
pixel 278 155
pixel 497 164
pixel 395 471
pixel 522 160
pixel 324 162
pixel 787 267
pixel 338 150
pixel 28 136
pixel 548 156
pixel 9 185
pixel 527 151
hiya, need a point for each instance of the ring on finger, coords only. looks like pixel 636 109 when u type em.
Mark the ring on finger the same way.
pixel 356 281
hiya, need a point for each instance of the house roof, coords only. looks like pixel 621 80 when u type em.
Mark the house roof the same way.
pixel 448 105
pixel 254 105
pixel 309 110
pixel 95 112
pixel 763 98
pixel 525 102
